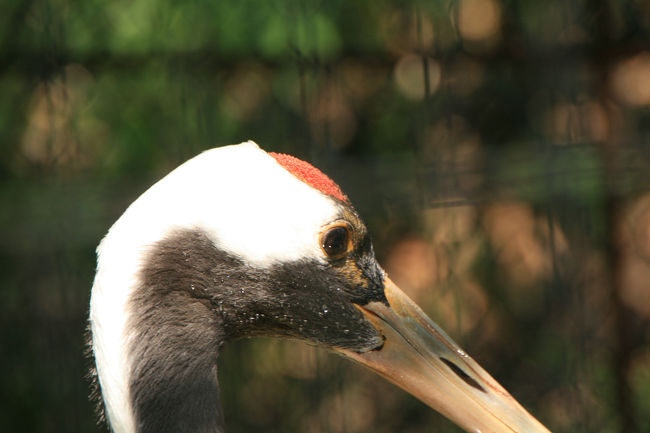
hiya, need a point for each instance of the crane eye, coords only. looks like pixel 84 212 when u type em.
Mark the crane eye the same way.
pixel 335 241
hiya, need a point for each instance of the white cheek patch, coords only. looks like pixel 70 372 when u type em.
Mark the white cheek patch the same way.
pixel 246 202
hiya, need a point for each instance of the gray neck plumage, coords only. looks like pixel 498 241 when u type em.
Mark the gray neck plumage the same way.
pixel 173 379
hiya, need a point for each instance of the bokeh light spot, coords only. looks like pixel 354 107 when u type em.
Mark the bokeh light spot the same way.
pixel 410 76
pixel 479 19
pixel 630 80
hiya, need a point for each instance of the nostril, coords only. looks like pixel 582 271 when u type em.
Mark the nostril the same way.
pixel 460 373
pixel 381 346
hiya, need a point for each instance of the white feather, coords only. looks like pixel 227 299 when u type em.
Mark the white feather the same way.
pixel 247 203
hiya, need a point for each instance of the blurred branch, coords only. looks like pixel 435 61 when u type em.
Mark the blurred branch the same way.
pixel 524 175
pixel 511 54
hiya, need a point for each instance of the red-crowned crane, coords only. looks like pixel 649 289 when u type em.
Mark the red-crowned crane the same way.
pixel 238 242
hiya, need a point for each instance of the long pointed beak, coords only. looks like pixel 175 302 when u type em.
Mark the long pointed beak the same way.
pixel 420 358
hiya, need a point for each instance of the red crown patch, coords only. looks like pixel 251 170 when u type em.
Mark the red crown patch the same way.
pixel 310 175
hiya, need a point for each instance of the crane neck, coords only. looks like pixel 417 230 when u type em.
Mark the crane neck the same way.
pixel 161 376
pixel 173 380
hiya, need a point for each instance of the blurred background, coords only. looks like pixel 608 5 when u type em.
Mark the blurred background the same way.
pixel 499 151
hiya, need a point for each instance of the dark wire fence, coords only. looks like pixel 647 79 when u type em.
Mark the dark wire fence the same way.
pixel 498 151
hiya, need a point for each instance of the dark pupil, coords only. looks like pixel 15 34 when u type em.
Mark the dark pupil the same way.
pixel 335 241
